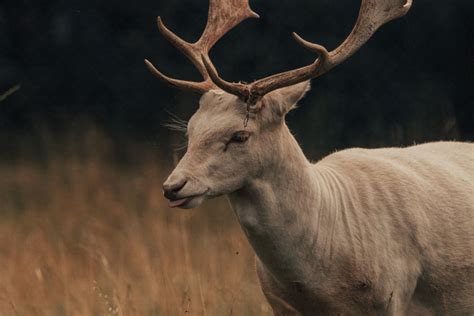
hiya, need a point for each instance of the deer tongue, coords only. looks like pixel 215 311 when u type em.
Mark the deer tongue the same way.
pixel 178 203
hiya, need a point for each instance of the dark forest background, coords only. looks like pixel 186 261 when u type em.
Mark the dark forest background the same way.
pixel 83 60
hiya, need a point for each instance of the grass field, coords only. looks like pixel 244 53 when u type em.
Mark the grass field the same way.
pixel 83 234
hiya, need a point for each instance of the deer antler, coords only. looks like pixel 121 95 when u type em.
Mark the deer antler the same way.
pixel 223 16
pixel 372 15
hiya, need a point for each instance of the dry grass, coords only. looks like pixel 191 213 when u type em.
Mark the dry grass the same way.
pixel 82 235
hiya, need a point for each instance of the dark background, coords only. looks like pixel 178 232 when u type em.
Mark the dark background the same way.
pixel 83 60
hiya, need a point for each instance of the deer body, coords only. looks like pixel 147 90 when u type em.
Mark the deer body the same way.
pixel 362 232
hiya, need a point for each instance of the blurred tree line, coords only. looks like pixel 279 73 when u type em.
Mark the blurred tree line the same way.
pixel 413 81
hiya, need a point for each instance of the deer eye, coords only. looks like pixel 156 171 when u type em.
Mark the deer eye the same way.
pixel 240 137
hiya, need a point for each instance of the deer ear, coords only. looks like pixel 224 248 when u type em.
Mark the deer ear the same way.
pixel 283 100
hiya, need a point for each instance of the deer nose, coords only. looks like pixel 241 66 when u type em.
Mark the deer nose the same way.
pixel 171 190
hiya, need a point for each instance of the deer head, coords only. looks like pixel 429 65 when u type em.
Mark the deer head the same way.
pixel 233 136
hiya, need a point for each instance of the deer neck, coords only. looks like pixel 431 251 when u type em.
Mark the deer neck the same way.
pixel 279 209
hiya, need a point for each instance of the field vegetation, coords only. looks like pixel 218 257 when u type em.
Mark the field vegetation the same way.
pixel 84 230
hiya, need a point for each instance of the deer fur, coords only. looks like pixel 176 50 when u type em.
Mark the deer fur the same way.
pixel 362 232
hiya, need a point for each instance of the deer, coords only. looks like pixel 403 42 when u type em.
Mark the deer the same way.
pixel 387 231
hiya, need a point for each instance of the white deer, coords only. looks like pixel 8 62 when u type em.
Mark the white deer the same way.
pixel 362 232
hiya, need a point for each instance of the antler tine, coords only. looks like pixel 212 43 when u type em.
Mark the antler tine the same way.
pixel 222 17
pixel 372 15
pixel 320 65
pixel 199 87
pixel 186 48
pixel 238 89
